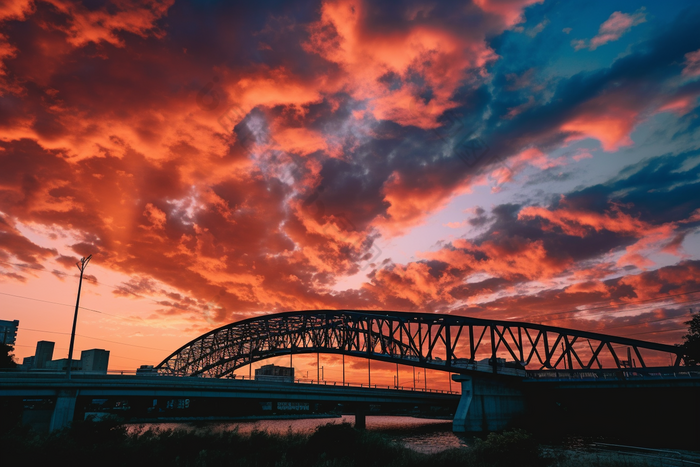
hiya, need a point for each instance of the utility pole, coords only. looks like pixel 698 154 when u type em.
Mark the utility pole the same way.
pixel 82 264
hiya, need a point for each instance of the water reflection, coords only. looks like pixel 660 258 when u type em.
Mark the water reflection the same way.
pixel 421 434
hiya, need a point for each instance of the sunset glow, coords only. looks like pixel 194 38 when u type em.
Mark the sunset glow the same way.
pixel 526 160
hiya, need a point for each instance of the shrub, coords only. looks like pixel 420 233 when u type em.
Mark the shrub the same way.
pixel 507 449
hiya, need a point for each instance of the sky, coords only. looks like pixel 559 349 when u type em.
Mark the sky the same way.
pixel 533 160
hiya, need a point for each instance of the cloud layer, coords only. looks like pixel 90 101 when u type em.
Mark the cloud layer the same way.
pixel 232 159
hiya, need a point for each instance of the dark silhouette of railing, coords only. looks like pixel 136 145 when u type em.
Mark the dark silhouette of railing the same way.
pixel 451 343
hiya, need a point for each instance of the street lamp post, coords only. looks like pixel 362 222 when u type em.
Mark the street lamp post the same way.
pixel 82 264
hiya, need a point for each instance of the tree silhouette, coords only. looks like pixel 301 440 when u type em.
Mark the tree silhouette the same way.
pixel 691 344
pixel 6 357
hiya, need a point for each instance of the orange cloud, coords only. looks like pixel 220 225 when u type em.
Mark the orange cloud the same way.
pixel 15 9
pixel 410 201
pixel 509 258
pixel 366 56
pixel 579 223
pixel 608 119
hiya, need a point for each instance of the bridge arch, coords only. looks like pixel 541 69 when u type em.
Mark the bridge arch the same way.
pixel 451 343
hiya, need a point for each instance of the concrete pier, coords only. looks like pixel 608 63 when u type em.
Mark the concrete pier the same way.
pixel 487 404
pixel 64 411
pixel 360 420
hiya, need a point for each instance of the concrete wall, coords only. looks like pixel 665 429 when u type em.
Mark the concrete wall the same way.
pixel 487 404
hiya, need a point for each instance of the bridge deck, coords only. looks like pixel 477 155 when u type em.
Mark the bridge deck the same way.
pixel 164 386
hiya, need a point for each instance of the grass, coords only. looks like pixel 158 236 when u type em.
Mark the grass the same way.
pixel 107 443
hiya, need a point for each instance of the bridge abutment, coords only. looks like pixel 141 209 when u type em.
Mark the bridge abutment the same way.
pixel 64 411
pixel 487 404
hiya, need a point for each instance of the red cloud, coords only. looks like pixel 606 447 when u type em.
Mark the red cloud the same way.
pixel 15 9
pixel 83 25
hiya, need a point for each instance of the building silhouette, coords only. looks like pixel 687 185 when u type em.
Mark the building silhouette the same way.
pixel 93 361
pixel 8 331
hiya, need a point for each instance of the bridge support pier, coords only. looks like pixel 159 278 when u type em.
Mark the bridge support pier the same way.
pixel 487 404
pixel 64 411
pixel 360 417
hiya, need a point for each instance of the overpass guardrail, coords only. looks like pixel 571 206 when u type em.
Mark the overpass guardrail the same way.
pixel 629 374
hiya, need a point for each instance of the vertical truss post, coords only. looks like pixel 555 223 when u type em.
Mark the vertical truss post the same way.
pixel 520 340
pixel 448 347
pixel 471 343
pixel 369 373
pixel 493 349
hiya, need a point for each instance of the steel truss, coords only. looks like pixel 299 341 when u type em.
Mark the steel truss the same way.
pixel 443 342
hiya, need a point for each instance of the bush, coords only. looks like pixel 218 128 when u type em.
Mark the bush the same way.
pixel 107 443
pixel 507 449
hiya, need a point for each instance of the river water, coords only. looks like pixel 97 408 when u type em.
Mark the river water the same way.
pixel 420 434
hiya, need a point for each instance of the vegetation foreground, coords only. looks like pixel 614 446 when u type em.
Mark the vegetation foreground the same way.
pixel 107 443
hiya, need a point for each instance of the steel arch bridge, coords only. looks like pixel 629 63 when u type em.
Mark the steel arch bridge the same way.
pixel 451 343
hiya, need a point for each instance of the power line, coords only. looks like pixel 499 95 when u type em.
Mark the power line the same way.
pixel 55 303
pixel 93 281
pixel 64 304
pixel 656 332
pixel 95 338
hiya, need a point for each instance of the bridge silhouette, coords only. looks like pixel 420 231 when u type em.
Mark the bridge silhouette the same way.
pixel 456 344
pixel 505 368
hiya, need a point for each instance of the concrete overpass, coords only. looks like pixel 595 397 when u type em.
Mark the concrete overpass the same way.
pixel 66 393
pixel 503 366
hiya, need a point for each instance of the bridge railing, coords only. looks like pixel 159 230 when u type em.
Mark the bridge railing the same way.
pixel 631 374
pixel 360 385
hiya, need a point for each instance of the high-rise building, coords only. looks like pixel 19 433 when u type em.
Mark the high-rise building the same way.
pixel 8 331
pixel 94 360
pixel 91 361
pixel 43 354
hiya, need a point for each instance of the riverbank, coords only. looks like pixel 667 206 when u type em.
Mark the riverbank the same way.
pixel 251 418
pixel 109 443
